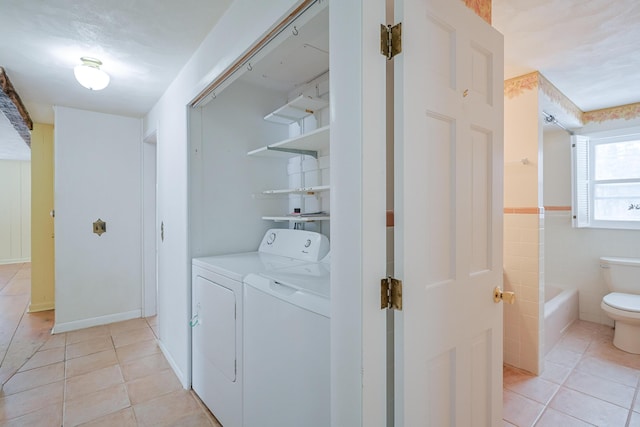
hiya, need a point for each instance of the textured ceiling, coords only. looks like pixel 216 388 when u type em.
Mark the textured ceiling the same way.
pixel 587 49
pixel 142 44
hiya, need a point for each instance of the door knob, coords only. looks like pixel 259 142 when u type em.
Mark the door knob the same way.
pixel 499 295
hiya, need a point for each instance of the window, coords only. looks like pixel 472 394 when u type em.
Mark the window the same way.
pixel 606 181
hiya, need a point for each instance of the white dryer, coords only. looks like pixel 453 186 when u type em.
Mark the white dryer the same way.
pixel 286 347
pixel 217 298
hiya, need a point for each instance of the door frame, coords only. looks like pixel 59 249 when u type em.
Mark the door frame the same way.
pixel 358 214
pixel 149 226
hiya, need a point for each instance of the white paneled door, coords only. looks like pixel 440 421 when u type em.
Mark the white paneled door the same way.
pixel 448 202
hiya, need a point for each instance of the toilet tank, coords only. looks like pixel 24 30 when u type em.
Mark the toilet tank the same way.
pixel 621 274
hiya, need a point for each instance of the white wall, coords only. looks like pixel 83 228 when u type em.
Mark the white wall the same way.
pixel 226 205
pixel 97 175
pixel 15 211
pixel 571 254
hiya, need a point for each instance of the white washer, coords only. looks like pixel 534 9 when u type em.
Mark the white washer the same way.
pixel 286 347
pixel 217 296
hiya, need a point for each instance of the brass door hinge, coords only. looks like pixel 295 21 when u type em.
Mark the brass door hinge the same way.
pixel 390 293
pixel 390 40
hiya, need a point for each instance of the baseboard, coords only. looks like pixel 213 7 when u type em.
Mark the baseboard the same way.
pixel 43 306
pixel 15 261
pixel 95 321
pixel 184 380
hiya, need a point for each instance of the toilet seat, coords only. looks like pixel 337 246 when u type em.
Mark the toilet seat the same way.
pixel 624 302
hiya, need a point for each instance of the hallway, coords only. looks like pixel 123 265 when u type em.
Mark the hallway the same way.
pixel 102 376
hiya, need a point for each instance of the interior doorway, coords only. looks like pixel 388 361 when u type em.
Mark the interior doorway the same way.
pixel 149 257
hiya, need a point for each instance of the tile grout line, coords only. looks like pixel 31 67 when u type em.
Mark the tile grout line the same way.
pixel 124 381
pixel 14 331
pixel 64 388
pixel 546 405
pixel 574 369
pixel 633 401
pixel 26 361
pixel 562 384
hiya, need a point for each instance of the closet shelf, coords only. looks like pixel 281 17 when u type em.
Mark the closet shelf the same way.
pixel 302 190
pixel 309 143
pixel 296 109
pixel 296 218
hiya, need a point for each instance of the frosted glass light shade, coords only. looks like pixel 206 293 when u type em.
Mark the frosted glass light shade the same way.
pixel 90 75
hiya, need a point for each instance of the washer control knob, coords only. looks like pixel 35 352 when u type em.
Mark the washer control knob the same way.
pixel 271 238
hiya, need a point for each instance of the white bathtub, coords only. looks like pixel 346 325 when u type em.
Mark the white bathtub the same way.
pixel 560 311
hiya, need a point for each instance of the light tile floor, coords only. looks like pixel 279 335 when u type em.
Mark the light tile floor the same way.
pixel 112 375
pixel 115 375
pixel 586 382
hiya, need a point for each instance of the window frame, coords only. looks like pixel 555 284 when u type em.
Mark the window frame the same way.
pixel 584 184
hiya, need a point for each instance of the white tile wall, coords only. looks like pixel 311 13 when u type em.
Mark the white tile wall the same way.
pixel 572 255
pixel 522 269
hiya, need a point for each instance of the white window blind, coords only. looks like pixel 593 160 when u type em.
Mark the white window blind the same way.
pixel 580 182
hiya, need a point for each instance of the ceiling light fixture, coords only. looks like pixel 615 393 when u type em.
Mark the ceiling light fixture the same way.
pixel 90 75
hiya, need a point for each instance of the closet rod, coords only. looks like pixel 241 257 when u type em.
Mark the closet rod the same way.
pixel 548 118
pixel 281 26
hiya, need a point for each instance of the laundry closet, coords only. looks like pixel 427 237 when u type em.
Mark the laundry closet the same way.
pixel 259 144
pixel 258 162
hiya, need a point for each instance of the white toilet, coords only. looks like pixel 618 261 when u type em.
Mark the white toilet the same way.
pixel 622 276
